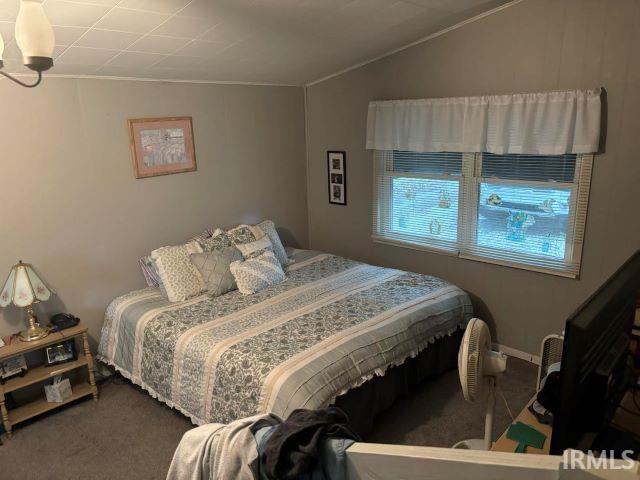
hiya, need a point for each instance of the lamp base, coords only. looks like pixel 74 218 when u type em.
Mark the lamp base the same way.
pixel 34 332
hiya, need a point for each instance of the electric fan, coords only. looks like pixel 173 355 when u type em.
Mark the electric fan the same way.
pixel 479 368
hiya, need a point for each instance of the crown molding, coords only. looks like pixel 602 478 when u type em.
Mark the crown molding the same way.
pixel 156 80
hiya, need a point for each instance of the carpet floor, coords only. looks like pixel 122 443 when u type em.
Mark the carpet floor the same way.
pixel 129 435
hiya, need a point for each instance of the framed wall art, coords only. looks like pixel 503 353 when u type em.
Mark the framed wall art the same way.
pixel 337 171
pixel 161 146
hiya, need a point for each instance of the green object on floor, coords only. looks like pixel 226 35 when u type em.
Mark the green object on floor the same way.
pixel 526 436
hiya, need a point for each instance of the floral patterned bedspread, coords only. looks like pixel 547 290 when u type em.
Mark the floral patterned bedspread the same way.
pixel 330 326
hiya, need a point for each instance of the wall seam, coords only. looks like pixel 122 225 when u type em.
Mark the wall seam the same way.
pixel 306 155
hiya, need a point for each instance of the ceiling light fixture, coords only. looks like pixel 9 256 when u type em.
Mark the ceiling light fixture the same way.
pixel 35 38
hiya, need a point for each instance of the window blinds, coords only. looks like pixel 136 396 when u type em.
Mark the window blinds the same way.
pixel 518 210
pixel 417 199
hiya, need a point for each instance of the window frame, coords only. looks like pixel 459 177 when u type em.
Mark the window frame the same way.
pixel 469 182
pixel 383 209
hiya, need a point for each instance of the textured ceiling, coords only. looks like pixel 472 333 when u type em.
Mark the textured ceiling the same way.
pixel 291 42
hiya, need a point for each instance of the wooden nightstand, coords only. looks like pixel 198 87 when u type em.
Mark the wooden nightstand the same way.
pixel 42 373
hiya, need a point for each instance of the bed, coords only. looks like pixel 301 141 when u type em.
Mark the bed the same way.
pixel 331 326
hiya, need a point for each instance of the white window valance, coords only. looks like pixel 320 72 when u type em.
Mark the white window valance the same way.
pixel 549 123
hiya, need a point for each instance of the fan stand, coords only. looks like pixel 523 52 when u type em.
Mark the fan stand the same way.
pixel 483 443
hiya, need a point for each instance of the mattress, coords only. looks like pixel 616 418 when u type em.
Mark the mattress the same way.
pixel 333 324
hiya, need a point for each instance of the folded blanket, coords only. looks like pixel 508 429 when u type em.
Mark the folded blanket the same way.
pixel 217 451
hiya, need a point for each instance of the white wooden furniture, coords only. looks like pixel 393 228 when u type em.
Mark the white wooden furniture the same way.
pixel 370 461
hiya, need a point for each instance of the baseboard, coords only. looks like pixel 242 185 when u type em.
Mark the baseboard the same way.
pixel 513 352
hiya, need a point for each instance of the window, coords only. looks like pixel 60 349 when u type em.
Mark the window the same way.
pixel 518 210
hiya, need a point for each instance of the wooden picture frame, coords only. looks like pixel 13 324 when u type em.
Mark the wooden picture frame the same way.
pixel 161 146
pixel 337 176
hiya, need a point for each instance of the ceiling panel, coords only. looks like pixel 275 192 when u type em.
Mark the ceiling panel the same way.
pixel 8 10
pixel 289 42
pixel 90 56
pixel 158 44
pixel 186 27
pixel 159 6
pixel 67 35
pixel 136 59
pixel 126 20
pixel 73 14
pixel 98 38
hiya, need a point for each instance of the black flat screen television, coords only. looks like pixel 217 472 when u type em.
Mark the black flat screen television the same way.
pixel 594 374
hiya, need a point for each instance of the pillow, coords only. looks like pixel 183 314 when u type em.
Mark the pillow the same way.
pixel 257 273
pixel 253 249
pixel 269 228
pixel 179 278
pixel 149 271
pixel 244 234
pixel 214 268
pixel 201 236
pixel 218 241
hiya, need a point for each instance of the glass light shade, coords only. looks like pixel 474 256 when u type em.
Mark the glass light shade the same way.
pixel 23 287
pixel 34 34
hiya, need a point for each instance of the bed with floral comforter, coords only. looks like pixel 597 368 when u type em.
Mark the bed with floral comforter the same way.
pixel 330 326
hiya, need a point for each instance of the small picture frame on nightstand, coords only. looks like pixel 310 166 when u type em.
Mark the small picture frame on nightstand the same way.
pixel 61 353
pixel 14 366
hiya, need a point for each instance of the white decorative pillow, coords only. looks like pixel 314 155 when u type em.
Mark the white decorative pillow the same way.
pixel 180 279
pixel 269 228
pixel 257 273
pixel 253 249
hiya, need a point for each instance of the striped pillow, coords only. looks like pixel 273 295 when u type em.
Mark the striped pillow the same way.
pixel 269 228
pixel 149 271
pixel 257 273
pixel 255 249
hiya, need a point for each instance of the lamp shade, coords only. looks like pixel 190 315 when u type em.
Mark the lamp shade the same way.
pixel 34 35
pixel 23 287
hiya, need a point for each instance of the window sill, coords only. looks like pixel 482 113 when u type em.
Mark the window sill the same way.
pixel 456 253
pixel 414 246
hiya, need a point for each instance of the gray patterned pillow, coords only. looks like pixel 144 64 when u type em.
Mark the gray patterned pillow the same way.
pixel 214 268
pixel 269 228
pixel 244 234
pixel 180 279
pixel 201 236
pixel 257 273
pixel 217 242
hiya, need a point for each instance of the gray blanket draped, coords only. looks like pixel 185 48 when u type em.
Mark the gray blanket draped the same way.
pixel 217 451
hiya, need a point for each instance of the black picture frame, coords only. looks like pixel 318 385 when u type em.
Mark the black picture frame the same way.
pixel 60 353
pixel 337 176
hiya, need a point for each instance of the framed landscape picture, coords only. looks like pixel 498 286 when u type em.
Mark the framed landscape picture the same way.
pixel 337 171
pixel 160 146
